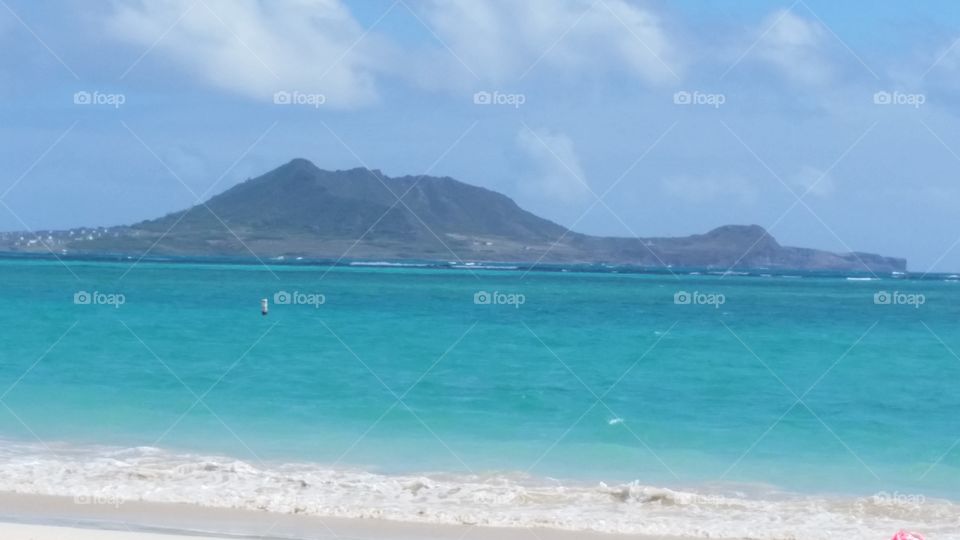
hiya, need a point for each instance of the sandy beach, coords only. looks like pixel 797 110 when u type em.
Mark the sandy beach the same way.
pixel 33 517
pixel 16 531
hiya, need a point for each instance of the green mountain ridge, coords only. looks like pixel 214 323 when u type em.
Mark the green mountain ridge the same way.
pixel 300 210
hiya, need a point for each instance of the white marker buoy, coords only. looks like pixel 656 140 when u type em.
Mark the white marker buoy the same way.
pixel 264 306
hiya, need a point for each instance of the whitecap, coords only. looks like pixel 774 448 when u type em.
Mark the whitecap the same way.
pixel 501 500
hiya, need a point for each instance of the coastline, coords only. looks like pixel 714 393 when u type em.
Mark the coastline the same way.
pixel 473 265
pixel 147 488
pixel 46 517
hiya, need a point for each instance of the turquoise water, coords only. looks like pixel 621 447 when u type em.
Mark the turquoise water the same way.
pixel 594 377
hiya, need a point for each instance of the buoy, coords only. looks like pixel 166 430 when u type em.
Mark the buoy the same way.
pixel 264 306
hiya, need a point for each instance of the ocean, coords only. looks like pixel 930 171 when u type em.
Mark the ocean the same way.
pixel 686 403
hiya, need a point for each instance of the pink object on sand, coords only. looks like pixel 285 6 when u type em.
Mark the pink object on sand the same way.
pixel 904 535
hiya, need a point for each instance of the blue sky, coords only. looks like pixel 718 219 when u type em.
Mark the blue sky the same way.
pixel 833 124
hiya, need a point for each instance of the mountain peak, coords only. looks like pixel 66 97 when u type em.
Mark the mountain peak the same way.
pixel 736 234
pixel 747 230
pixel 299 209
pixel 304 165
pixel 298 163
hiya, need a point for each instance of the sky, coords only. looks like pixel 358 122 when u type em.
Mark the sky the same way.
pixel 832 124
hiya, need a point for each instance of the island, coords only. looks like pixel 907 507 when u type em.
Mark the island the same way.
pixel 301 211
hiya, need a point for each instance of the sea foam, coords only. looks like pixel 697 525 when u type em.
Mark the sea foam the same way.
pixel 149 474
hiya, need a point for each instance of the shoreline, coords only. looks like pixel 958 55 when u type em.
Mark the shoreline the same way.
pixel 48 517
pixel 588 267
pixel 148 490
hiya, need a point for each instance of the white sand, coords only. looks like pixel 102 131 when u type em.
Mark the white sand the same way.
pixel 14 531
pixel 35 517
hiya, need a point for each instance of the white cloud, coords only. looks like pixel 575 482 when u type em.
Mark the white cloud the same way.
pixel 794 46
pixel 557 174
pixel 940 64
pixel 817 182
pixel 255 48
pixel 501 40
pixel 711 189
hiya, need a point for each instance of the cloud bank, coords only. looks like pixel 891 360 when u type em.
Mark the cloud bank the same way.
pixel 254 48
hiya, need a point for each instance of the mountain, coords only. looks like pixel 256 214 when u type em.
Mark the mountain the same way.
pixel 301 210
